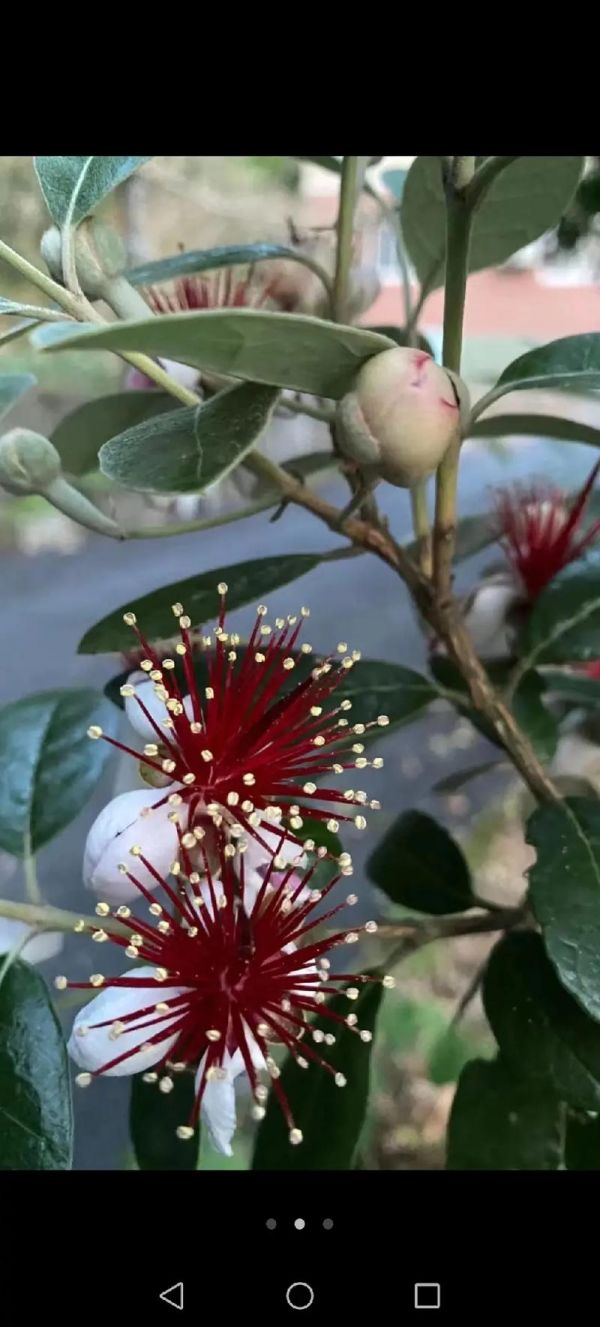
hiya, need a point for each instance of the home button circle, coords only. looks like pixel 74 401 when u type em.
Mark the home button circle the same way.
pixel 300 1295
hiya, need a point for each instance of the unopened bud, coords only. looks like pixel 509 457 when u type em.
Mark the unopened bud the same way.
pixel 28 462
pixel 402 415
pixel 99 255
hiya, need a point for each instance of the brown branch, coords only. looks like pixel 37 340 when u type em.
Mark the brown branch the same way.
pixel 414 933
pixel 446 619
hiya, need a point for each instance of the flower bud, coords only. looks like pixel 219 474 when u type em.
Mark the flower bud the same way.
pixel 99 255
pixel 402 415
pixel 28 462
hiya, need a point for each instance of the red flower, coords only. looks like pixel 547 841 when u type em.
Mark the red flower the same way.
pixel 541 534
pixel 245 747
pixel 221 290
pixel 222 981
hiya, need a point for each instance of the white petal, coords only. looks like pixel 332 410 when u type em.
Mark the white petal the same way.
pixel 218 1108
pixel 45 945
pixel 256 856
pixel 96 1048
pixel 182 373
pixel 486 619
pixel 144 689
pixel 118 828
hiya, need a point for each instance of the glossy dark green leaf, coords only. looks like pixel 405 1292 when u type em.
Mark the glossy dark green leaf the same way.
pixel 194 261
pixel 577 687
pixel 321 836
pixel 48 765
pixel 12 386
pixel 501 1122
pixel 189 450
pixel 572 362
pixel 154 1117
pixel 419 865
pixel 376 687
pixel 73 186
pixel 532 716
pixel 330 1117
pixel 80 435
pixel 246 580
pixel 564 624
pixel 582 1142
pixel 280 349
pixel 565 893
pixel 524 201
pixel 36 1124
pixel 542 1032
pixel 535 426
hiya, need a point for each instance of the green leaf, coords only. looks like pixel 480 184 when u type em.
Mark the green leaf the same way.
pixel 330 1117
pixel 565 893
pixel 536 426
pixel 419 865
pixel 473 533
pixel 532 716
pixel 154 1117
pixel 49 335
pixel 48 766
pixel 12 386
pixel 187 451
pixel 500 1122
pixel 564 624
pixel 13 333
pixel 375 688
pixel 207 260
pixel 542 1032
pixel 14 308
pixel 526 199
pixel 582 690
pixel 75 185
pixel 36 1124
pixel 246 580
pixel 80 435
pixel 280 349
pixel 322 836
pixel 582 1143
pixel 572 362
